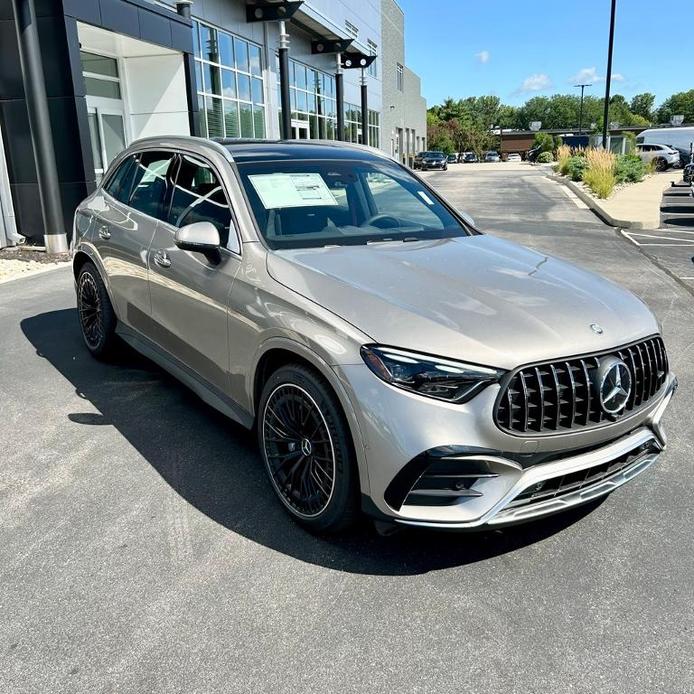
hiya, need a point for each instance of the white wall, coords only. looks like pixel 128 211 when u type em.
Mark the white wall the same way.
pixel 155 95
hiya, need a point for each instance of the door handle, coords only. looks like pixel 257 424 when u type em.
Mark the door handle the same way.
pixel 104 233
pixel 161 258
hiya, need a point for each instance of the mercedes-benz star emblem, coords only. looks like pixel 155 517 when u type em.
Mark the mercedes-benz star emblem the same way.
pixel 613 381
pixel 596 328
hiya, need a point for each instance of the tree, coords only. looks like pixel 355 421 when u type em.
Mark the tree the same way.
pixel 680 104
pixel 642 105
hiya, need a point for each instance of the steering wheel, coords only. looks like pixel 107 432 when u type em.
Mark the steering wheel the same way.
pixel 387 221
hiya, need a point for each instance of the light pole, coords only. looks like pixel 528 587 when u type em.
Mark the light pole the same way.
pixel 580 112
pixel 608 77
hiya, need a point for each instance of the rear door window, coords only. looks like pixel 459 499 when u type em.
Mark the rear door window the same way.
pixel 151 186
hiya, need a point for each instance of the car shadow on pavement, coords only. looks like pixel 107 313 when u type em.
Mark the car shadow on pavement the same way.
pixel 214 465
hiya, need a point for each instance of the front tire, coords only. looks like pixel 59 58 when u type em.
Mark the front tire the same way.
pixel 96 316
pixel 307 448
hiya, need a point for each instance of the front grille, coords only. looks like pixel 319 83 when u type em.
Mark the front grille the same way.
pixel 573 481
pixel 560 395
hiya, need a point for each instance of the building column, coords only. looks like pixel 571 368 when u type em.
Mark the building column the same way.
pixel 55 238
pixel 183 8
pixel 364 109
pixel 340 98
pixel 285 102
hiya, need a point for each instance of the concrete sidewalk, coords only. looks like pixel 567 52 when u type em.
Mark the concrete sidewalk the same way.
pixel 635 206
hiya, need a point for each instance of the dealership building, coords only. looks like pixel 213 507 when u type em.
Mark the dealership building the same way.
pixel 81 79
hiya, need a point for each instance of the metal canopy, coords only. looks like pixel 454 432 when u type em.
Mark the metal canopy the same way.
pixel 353 60
pixel 271 10
pixel 326 46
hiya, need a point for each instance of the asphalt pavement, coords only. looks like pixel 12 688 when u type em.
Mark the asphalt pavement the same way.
pixel 142 550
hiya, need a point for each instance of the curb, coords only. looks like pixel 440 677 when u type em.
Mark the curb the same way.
pixel 595 206
pixel 48 267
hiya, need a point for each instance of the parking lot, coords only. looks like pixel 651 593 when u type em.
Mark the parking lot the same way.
pixel 671 245
pixel 142 549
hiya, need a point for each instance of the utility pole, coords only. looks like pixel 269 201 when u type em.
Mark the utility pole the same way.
pixel 580 113
pixel 608 77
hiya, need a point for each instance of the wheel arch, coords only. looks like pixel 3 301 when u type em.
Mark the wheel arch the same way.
pixel 277 352
pixel 86 253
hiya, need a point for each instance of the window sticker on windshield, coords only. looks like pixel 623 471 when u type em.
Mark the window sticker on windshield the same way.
pixel 292 190
pixel 425 197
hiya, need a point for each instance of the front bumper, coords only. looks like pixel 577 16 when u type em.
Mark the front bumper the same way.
pixel 503 479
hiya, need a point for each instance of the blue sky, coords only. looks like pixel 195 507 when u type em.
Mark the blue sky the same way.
pixel 517 50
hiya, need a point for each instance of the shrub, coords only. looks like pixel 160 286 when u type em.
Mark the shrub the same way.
pixel 599 175
pixel 544 141
pixel 629 169
pixel 545 158
pixel 563 156
pixel 575 167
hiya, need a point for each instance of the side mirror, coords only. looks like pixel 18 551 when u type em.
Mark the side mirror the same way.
pixel 199 237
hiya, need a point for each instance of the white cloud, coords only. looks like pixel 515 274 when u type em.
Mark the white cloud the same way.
pixel 589 75
pixel 483 56
pixel 535 83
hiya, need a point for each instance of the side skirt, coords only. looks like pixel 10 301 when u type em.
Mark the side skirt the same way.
pixel 208 393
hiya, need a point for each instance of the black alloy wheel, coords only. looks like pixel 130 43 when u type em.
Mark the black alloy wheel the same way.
pixel 96 316
pixel 307 449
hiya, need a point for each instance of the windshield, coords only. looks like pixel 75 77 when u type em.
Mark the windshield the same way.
pixel 434 155
pixel 308 203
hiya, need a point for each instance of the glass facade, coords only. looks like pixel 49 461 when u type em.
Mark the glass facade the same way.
pixel 229 76
pixel 231 102
pixel 312 96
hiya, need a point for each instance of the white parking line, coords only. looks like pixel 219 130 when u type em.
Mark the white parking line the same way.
pixel 657 236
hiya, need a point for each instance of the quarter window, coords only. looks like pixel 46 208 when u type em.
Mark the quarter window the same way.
pixel 121 183
pixel 199 197
pixel 151 184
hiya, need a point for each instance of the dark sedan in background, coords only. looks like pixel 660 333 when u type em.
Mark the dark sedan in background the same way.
pixel 434 160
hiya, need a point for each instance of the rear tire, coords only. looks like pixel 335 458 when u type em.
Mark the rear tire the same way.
pixel 96 316
pixel 660 164
pixel 306 444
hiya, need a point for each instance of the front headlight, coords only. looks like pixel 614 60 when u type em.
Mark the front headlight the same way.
pixel 443 379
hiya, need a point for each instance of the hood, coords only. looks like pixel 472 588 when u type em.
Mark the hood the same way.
pixel 478 298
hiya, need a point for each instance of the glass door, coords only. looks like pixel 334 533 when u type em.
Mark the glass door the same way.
pixel 107 135
pixel 300 130
pixel 106 112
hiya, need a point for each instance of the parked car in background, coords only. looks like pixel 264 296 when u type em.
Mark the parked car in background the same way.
pixel 417 164
pixel 389 356
pixel 680 139
pixel 514 156
pixel 492 156
pixel 470 158
pixel 664 156
pixel 434 160
pixel 453 158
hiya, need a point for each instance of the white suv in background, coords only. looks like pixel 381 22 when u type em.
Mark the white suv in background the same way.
pixel 663 155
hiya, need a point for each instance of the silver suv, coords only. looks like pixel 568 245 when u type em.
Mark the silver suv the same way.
pixel 392 358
